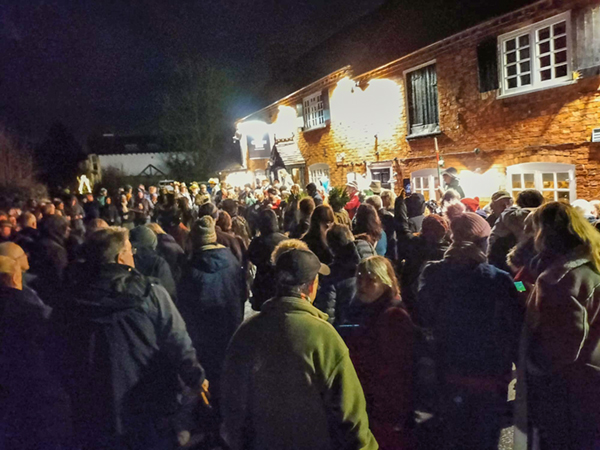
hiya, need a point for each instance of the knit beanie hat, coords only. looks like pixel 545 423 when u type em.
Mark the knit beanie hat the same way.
pixel 143 237
pixel 434 227
pixel 472 204
pixel 469 227
pixel 203 231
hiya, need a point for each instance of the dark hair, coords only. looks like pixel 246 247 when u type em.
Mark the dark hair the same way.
pixel 530 198
pixel 267 222
pixel 368 222
pixel 339 237
pixel 208 209
pixel 224 221
pixel 306 206
pixel 311 188
pixel 321 214
pixel 230 206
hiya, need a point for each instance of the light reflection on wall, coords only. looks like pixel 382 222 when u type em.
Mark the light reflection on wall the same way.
pixel 481 185
pixel 286 123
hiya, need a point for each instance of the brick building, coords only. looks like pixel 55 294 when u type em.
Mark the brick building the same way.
pixel 512 103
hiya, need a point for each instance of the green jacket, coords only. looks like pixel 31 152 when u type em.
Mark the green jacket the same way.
pixel 288 383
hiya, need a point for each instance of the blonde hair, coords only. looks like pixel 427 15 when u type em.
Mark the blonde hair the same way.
pixel 560 228
pixel 380 269
pixel 284 246
pixel 387 193
pixel 156 228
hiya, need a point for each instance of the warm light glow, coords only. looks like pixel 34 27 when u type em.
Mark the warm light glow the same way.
pixel 240 179
pixel 481 185
pixel 285 124
pixel 253 128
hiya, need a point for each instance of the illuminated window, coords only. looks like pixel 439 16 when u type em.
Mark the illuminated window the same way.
pixel 423 182
pixel 422 95
pixel 554 181
pixel 537 56
pixel 314 111
pixel 318 172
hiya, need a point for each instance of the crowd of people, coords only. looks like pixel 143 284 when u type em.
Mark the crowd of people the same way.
pixel 380 320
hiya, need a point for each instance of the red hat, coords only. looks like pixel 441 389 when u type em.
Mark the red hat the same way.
pixel 472 204
pixel 469 227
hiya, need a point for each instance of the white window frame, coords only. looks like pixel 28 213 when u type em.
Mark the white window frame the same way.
pixel 538 170
pixel 419 175
pixel 314 111
pixel 317 171
pixel 383 166
pixel 534 57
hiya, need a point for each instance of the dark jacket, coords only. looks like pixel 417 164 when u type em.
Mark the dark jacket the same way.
pixel 212 293
pixel 172 252
pixel 415 209
pixel 259 254
pixel 120 345
pixel 337 290
pixel 91 210
pixel 474 313
pixel 318 247
pixel 151 264
pixel 232 243
pixel 387 222
pixel 300 228
pixel 110 214
pixel 455 184
pixel 317 199
pixel 27 239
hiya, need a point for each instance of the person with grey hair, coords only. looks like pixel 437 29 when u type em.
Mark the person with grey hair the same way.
pixel 288 381
pixel 120 347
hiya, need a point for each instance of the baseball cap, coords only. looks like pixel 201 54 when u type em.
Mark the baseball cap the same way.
pixel 296 267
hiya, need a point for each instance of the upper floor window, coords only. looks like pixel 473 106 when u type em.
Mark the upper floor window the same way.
pixel 537 56
pixel 422 95
pixel 314 107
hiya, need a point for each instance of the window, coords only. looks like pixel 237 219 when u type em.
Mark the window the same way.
pixel 316 110
pixel 318 172
pixel 537 56
pixel 383 171
pixel 423 182
pixel 422 95
pixel 554 181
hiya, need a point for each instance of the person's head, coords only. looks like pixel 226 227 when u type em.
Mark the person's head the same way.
pixel 596 205
pixel 530 198
pixel 375 278
pixel 472 204
pixel 140 194
pixel 203 189
pixel 321 219
pixel 277 183
pixel 295 189
pixel 55 227
pixel 311 189
pixel 208 209
pixel 284 246
pixel 203 232
pixel 297 272
pixel 352 188
pixel 264 183
pixel 584 207
pixel 142 237
pixel 95 225
pixel 415 205
pixel 103 192
pixel 272 193
pixel 267 222
pixel 11 275
pixel 48 210
pixel 109 246
pixel 434 228
pixel 14 251
pixel 449 175
pixel 501 201
pixel 388 198
pixel 28 220
pixel 156 228
pixel 230 206
pixel 224 221
pixel 152 190
pixel 6 229
pixel 374 201
pixel 560 229
pixel 368 222
pixel 470 227
pixel 306 207
pixel 338 238
pixel 141 187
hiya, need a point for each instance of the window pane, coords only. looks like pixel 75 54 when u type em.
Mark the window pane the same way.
pixel 516 181
pixel 510 45
pixel 524 40
pixel 511 70
pixel 525 80
pixel 545 47
pixel 562 180
pixel 417 182
pixel 548 195
pixel 515 194
pixel 560 28
pixel 426 195
pixel 511 57
pixel 560 42
pixel 563 195
pixel 544 33
pixel 545 61
pixel 524 53
pixel 529 181
pixel 512 83
pixel 548 180
pixel 524 66
pixel 560 57
pixel 426 183
pixel 560 71
pixel 546 74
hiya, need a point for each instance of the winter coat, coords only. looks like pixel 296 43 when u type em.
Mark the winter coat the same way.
pixel 172 252
pixel 212 293
pixel 151 264
pixel 318 247
pixel 259 254
pixel 337 290
pixel 27 239
pixel 508 231
pixel 289 383
pixel 562 350
pixel 317 199
pixel 387 222
pixel 49 260
pixel 455 184
pixel 352 206
pixel 120 346
pixel 300 228
pixel 381 349
pixel 91 210
pixel 232 243
pixel 364 247
pixel 110 214
pixel 382 244
pixel 473 311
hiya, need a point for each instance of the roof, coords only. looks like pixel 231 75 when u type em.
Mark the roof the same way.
pixel 290 153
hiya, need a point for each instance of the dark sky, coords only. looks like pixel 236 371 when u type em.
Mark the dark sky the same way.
pixel 105 64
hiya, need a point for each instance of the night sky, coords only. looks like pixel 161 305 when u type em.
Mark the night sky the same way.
pixel 99 65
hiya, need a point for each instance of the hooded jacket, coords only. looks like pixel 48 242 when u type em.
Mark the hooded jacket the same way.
pixel 151 264
pixel 120 345
pixel 415 209
pixel 172 252
pixel 259 254
pixel 212 293
pixel 288 383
